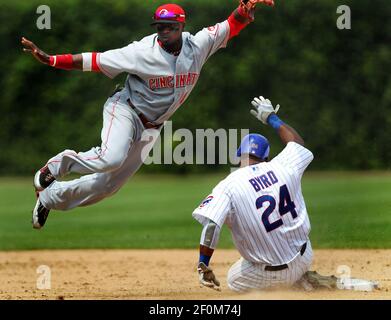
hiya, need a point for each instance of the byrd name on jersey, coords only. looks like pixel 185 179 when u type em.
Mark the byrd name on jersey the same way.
pixel 264 181
pixel 178 81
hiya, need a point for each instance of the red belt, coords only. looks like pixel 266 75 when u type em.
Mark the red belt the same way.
pixel 146 123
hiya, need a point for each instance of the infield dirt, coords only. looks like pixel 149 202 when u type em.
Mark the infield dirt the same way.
pixel 167 274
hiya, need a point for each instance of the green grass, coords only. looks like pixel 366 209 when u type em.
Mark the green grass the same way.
pixel 347 210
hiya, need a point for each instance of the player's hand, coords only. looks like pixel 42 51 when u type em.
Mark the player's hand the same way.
pixel 207 278
pixel 263 109
pixel 250 4
pixel 267 2
pixel 38 54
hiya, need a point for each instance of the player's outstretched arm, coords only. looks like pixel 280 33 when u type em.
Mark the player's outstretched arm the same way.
pixel 66 61
pixel 267 114
pixel 40 55
pixel 247 7
pixel 243 15
pixel 209 238
pixel 288 134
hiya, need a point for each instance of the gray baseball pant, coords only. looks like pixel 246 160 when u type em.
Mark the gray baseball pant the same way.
pixel 105 169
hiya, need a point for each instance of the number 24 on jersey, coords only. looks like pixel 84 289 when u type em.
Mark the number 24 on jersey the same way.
pixel 285 205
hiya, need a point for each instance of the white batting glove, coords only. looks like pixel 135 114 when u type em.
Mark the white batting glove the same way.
pixel 207 278
pixel 263 109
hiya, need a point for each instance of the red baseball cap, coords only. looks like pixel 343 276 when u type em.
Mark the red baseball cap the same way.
pixel 169 13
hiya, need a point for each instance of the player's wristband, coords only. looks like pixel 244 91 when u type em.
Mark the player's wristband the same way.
pixel 205 259
pixel 274 121
pixel 235 26
pixel 63 61
pixel 90 61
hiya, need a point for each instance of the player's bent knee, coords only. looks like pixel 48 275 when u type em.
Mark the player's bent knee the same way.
pixel 232 287
pixel 237 286
pixel 235 281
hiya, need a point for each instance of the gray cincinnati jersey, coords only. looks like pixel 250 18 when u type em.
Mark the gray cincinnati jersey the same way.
pixel 158 82
pixel 264 207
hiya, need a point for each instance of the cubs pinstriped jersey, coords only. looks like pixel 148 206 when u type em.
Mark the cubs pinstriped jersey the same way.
pixel 263 206
pixel 158 83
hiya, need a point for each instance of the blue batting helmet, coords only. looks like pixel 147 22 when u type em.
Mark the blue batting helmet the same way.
pixel 255 145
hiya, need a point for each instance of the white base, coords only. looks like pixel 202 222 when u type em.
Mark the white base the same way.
pixel 356 284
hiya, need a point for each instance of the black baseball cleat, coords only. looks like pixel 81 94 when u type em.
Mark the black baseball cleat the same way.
pixel 40 214
pixel 43 178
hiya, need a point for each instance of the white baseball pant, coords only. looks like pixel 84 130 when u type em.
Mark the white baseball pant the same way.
pixel 245 275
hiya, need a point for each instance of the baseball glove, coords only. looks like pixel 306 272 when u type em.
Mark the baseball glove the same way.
pixel 249 5
pixel 207 278
pixel 263 109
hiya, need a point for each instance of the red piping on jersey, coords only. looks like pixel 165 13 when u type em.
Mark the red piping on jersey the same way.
pixel 235 26
pixel 101 155
pixel 183 98
pixel 101 68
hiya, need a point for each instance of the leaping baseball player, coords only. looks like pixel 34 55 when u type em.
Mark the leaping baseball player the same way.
pixel 162 69
pixel 263 206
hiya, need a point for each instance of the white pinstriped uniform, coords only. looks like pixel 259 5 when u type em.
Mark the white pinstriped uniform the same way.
pixel 271 235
